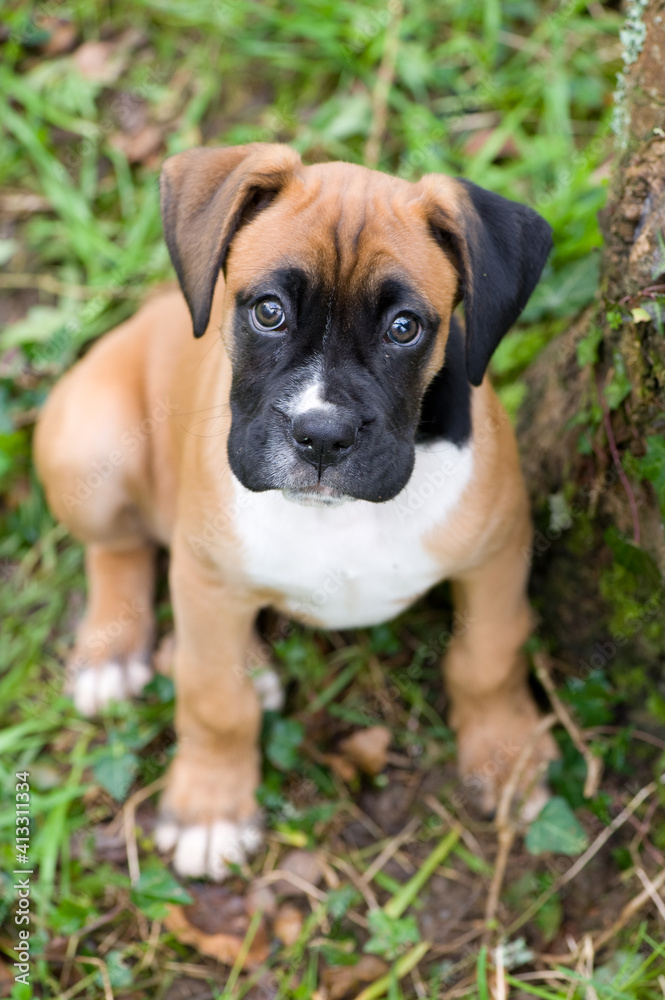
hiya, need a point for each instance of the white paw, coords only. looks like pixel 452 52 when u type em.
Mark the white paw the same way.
pixel 96 686
pixel 208 849
pixel 268 688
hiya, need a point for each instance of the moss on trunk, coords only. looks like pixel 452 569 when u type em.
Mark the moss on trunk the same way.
pixel 592 429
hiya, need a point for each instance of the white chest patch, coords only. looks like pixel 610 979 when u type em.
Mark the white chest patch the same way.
pixel 359 563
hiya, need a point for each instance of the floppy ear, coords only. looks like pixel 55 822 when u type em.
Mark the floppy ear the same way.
pixel 207 195
pixel 500 249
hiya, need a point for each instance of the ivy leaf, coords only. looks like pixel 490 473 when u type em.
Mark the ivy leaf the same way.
pixel 391 935
pixel 339 900
pixel 619 385
pixel 556 830
pixel 70 916
pixel 549 917
pixel 652 467
pixel 116 770
pixel 587 349
pixel 156 888
pixel 284 741
pixel 120 974
pixel 633 558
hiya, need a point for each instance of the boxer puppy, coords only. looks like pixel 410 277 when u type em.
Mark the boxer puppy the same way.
pixel 326 443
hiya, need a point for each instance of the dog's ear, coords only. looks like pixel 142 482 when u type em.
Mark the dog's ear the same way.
pixel 207 195
pixel 500 248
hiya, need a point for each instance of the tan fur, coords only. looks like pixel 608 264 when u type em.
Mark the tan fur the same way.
pixel 170 482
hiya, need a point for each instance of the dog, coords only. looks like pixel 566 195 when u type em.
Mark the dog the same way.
pixel 327 443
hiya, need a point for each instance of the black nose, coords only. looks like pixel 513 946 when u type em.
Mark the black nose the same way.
pixel 323 438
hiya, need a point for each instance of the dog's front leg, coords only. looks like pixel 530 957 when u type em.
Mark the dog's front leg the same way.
pixel 492 710
pixel 208 811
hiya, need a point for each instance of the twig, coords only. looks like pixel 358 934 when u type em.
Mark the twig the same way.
pixel 500 990
pixel 584 968
pixel 70 954
pixel 651 889
pixel 510 788
pixel 629 909
pixel 507 830
pixel 384 79
pixel 78 987
pixel 73 942
pixel 616 458
pixel 354 876
pixel 104 972
pixel 594 765
pixel 444 814
pixel 151 950
pixel 635 734
pixel 282 875
pixel 458 943
pixel 584 859
pixel 129 821
pixel 391 848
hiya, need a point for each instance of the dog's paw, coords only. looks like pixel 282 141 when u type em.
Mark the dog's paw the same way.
pixel 95 686
pixel 486 761
pixel 208 849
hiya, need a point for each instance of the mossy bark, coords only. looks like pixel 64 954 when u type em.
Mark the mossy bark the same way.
pixel 597 395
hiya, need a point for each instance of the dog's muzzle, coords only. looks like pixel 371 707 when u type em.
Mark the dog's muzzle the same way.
pixel 322 438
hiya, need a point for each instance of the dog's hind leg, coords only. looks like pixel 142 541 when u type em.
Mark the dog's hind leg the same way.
pixel 92 469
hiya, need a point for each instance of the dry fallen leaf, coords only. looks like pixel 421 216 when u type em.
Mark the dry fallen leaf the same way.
pixel 62 36
pixel 216 924
pixel 305 866
pixel 341 979
pixel 368 748
pixel 477 141
pixel 288 924
pixel 342 767
pixel 6 979
pixel 139 146
pixel 261 897
pixel 101 62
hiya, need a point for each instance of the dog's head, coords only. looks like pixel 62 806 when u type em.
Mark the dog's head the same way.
pixel 340 285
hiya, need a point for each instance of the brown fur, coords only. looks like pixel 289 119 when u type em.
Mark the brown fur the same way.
pixel 152 375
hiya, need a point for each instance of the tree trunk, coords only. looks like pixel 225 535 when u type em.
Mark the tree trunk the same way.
pixel 592 429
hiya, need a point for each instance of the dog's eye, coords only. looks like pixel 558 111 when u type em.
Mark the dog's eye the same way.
pixel 404 329
pixel 268 315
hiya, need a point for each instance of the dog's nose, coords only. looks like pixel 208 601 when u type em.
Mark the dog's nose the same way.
pixel 323 438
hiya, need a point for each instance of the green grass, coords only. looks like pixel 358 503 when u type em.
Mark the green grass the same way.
pixel 516 97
